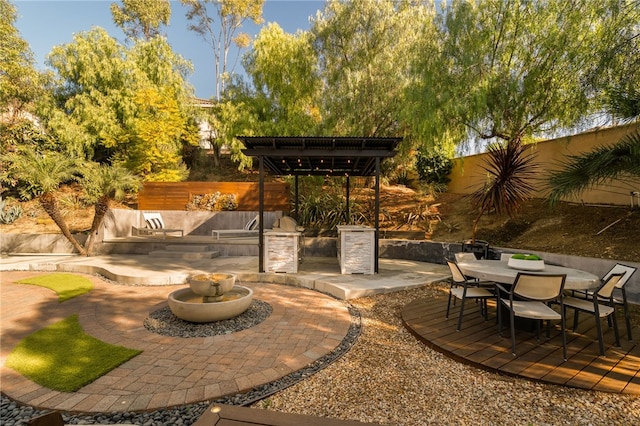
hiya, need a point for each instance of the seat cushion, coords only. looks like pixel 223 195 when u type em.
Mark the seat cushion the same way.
pixel 533 310
pixel 472 292
pixel 587 306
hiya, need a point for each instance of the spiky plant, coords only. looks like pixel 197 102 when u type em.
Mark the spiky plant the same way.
pixel 603 164
pixel 103 183
pixel 510 170
pixel 43 173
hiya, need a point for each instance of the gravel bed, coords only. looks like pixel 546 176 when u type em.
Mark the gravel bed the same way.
pixel 391 378
pixel 162 321
pixel 388 377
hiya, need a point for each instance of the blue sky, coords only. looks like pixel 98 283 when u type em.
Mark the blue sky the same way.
pixel 47 23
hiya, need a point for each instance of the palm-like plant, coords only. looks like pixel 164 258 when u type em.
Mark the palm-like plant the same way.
pixel 510 170
pixel 603 164
pixel 102 184
pixel 43 174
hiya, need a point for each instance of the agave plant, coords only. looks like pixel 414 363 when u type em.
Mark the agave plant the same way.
pixel 510 170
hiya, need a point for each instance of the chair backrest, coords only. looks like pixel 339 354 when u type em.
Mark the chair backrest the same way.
pixel 618 268
pixel 540 287
pixel 252 224
pixel 609 284
pixel 463 257
pixel 153 220
pixel 456 273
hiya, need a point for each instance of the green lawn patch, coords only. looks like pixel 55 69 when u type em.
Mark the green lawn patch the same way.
pixel 63 358
pixel 67 286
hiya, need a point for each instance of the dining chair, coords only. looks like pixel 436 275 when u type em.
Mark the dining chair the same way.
pixel 529 297
pixel 464 288
pixel 600 305
pixel 619 294
pixel 463 257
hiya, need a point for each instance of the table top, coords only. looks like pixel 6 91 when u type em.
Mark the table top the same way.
pixel 499 271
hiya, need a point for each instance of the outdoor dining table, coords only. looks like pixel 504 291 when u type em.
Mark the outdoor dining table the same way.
pixel 499 271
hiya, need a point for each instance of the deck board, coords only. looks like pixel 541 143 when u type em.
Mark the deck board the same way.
pixel 479 344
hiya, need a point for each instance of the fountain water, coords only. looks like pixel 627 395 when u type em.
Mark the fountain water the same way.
pixel 209 298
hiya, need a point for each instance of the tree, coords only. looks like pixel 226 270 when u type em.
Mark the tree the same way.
pixel 43 174
pixel 283 70
pixel 100 102
pixel 363 49
pixel 141 18
pixel 508 69
pixel 102 184
pixel 232 14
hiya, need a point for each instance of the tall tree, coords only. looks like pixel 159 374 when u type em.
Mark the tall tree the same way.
pixel 283 70
pixel 508 69
pixel 141 18
pixel 99 106
pixel 20 83
pixel 363 49
pixel 231 14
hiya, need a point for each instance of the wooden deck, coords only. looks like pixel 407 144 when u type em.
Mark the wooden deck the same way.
pixel 478 344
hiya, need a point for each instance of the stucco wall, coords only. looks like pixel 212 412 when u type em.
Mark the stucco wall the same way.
pixel 468 175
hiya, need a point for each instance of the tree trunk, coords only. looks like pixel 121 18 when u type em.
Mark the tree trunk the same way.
pixel 50 205
pixel 100 210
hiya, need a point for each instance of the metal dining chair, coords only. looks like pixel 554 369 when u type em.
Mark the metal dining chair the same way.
pixel 464 288
pixel 619 297
pixel 529 297
pixel 599 310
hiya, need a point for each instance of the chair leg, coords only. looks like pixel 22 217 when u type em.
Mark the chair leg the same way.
pixel 600 336
pixel 513 333
pixel 627 319
pixel 564 335
pixel 615 328
pixel 448 305
pixel 499 308
pixel 575 320
pixel 461 313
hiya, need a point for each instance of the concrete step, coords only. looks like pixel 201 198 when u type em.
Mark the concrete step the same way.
pixel 185 255
pixel 188 247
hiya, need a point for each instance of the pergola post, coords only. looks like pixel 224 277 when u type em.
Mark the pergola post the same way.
pixel 348 218
pixel 261 208
pixel 376 219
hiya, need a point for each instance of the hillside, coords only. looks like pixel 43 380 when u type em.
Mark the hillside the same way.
pixel 586 230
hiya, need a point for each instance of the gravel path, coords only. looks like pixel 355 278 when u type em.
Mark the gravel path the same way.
pixel 389 377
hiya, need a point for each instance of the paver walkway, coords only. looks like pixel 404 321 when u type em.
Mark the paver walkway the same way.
pixel 304 326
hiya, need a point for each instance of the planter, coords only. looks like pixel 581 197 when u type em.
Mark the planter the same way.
pixel 526 265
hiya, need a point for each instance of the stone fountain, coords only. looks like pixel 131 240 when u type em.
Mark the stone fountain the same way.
pixel 209 298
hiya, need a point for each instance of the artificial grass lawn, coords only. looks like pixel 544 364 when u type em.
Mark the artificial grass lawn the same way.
pixel 67 286
pixel 63 358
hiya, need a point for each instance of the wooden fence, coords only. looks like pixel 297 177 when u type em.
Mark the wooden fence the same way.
pixel 176 195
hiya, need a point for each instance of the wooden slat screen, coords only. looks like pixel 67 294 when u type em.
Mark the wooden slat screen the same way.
pixel 176 195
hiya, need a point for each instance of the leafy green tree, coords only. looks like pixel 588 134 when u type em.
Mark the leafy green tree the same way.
pixel 43 174
pixel 98 110
pixel 141 18
pixel 231 14
pixel 508 70
pixel 283 69
pixel 363 49
pixel 102 184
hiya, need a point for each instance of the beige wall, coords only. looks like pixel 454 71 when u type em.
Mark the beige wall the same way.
pixel 467 174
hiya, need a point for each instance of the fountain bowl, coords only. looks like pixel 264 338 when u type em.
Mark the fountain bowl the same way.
pixel 190 306
pixel 212 286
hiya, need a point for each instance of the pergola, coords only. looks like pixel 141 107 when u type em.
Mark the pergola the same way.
pixel 319 156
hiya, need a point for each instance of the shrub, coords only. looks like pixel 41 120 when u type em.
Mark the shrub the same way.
pixel 433 166
pixel 213 202
pixel 9 214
